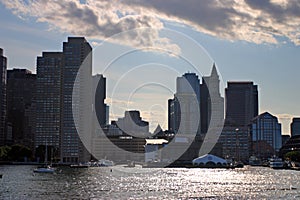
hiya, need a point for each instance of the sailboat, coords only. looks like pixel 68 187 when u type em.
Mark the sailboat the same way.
pixel 45 168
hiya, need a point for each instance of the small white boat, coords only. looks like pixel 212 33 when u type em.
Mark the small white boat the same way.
pixel 44 169
pixel 276 163
pixel 105 163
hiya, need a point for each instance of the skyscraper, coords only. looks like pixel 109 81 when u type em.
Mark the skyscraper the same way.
pixel 212 103
pixel 76 100
pixel 3 81
pixel 241 107
pixel 99 82
pixel 265 132
pixel 184 118
pixel 295 126
pixel 49 100
pixel 241 103
pixel 21 113
pixel 187 104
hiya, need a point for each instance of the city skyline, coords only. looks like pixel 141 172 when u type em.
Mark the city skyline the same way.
pixel 265 53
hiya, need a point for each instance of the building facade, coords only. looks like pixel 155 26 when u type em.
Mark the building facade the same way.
pixel 49 101
pixel 21 106
pixel 76 100
pixel 240 108
pixel 212 103
pixel 241 102
pixel 266 139
pixel 3 82
pixel 295 127
pixel 186 105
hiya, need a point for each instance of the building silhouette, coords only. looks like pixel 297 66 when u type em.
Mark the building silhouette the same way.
pixel 49 101
pixel 265 133
pixel 184 108
pixel 240 108
pixel 212 103
pixel 295 126
pixel 77 54
pixel 241 102
pixel 21 106
pixel 101 109
pixel 3 81
pixel 64 101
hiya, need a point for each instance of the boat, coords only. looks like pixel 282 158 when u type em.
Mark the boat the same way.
pixel 44 169
pixel 254 161
pixel 276 163
pixel 105 163
pixel 1 175
pixel 80 165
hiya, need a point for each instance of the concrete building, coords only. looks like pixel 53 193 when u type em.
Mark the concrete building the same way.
pixel 295 127
pixel 266 139
pixel 49 100
pixel 3 81
pixel 21 106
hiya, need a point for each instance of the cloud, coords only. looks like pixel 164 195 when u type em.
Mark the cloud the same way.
pixel 249 20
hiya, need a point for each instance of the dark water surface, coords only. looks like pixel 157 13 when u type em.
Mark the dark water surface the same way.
pixel 19 182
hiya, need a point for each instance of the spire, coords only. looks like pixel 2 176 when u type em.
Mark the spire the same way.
pixel 214 71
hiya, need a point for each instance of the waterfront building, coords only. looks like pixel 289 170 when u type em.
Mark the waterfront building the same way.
pixel 3 82
pixel 152 152
pixel 293 144
pixel 265 133
pixel 49 100
pixel 285 138
pixel 76 100
pixel 295 126
pixel 234 143
pixel 21 106
pixel 212 103
pixel 240 108
pixel 184 119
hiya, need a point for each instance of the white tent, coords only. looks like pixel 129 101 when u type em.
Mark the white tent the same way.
pixel 209 159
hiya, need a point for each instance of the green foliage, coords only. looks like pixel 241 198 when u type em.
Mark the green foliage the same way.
pixel 293 156
pixel 15 152
pixel 4 151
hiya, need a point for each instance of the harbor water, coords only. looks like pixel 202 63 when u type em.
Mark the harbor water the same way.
pixel 118 182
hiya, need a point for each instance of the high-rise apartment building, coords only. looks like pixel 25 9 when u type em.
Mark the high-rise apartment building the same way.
pixel 21 106
pixel 76 103
pixel 3 81
pixel 48 100
pixel 295 127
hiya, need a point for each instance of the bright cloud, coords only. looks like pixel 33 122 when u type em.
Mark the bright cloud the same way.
pixel 249 20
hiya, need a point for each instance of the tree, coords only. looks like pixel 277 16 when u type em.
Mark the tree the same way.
pixel 19 152
pixel 4 151
pixel 293 156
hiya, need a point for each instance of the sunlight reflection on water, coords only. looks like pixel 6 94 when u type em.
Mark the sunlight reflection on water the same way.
pixel 19 182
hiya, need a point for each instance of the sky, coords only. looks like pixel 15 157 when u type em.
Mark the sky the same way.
pixel 141 46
